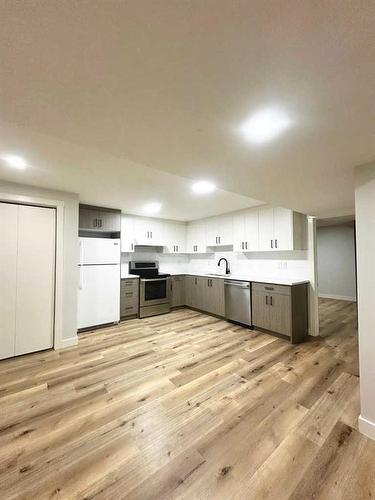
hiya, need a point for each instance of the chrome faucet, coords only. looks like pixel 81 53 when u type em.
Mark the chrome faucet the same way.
pixel 227 270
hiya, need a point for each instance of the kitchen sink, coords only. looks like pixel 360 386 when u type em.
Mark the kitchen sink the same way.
pixel 221 275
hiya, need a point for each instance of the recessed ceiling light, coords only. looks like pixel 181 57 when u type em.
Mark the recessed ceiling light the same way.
pixel 203 187
pixel 152 208
pixel 15 161
pixel 265 125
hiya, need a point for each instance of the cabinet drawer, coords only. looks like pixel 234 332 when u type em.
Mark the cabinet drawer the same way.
pixel 128 310
pixel 129 284
pixel 129 293
pixel 178 278
pixel 269 288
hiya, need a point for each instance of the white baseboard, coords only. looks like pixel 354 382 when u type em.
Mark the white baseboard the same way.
pixel 337 297
pixel 63 343
pixel 366 427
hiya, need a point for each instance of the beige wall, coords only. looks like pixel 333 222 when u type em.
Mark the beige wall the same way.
pixel 365 234
pixel 70 252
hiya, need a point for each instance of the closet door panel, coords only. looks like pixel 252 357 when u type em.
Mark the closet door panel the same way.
pixel 8 274
pixel 35 279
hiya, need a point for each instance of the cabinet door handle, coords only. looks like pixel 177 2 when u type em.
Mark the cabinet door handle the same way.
pixel 177 248
pixel 132 246
pixel 271 243
pixel 246 245
pixel 95 223
pixel 271 300
pixel 275 243
pixel 100 222
pixel 266 300
pixel 220 239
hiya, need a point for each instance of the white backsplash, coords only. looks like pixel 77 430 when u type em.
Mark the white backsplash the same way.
pixel 168 263
pixel 282 264
pixel 277 264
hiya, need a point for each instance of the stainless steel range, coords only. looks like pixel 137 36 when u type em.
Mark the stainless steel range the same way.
pixel 154 289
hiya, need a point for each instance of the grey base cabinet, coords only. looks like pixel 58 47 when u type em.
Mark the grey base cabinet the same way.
pixel 281 309
pixel 129 297
pixel 178 289
pixel 205 294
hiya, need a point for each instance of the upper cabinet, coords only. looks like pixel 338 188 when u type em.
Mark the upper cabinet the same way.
pixel 219 231
pixel 246 231
pixel 98 219
pixel 196 238
pixel 175 237
pixel 127 233
pixel 281 229
pixel 253 230
pixel 148 232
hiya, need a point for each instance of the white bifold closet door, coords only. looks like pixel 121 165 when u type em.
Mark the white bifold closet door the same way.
pixel 27 279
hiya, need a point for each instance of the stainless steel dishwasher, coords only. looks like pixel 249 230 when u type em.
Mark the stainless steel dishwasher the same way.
pixel 238 301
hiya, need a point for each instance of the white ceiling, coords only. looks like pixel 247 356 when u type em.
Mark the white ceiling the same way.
pixel 93 90
pixel 104 180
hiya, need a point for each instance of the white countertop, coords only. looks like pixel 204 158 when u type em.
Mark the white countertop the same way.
pixel 275 280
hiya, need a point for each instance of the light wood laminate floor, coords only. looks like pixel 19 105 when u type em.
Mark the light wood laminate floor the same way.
pixel 188 406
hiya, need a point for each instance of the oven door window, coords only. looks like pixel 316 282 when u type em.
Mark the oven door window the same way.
pixel 155 290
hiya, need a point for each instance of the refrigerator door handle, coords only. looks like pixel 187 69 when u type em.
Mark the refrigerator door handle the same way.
pixel 81 277
pixel 81 265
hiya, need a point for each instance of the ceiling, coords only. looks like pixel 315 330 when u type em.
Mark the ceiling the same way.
pixel 132 100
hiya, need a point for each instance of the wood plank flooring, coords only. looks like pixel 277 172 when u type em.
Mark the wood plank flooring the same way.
pixel 187 406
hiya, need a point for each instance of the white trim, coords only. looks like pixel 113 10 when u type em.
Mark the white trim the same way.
pixel 337 297
pixel 63 343
pixel 59 271
pixel 366 427
pixel 312 254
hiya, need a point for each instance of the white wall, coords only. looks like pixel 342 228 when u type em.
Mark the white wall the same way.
pixel 336 262
pixel 70 252
pixel 365 236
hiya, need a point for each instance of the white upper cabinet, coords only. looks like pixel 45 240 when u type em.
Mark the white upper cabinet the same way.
pixel 196 237
pixel 148 231
pixel 219 231
pixel 246 231
pixel 175 237
pixel 281 229
pixel 127 233
pixel 256 229
pixel 265 228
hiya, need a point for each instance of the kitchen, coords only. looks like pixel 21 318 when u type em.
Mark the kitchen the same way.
pixel 187 241
pixel 273 301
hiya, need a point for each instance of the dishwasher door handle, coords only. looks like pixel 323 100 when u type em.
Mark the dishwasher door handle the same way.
pixel 238 285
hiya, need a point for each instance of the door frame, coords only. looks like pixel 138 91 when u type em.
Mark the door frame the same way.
pixel 58 342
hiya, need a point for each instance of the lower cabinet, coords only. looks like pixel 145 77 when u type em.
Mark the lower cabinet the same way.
pixel 281 309
pixel 206 294
pixel 177 291
pixel 129 297
pixel 214 299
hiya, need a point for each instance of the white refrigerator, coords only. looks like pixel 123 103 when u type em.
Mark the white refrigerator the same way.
pixel 99 282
